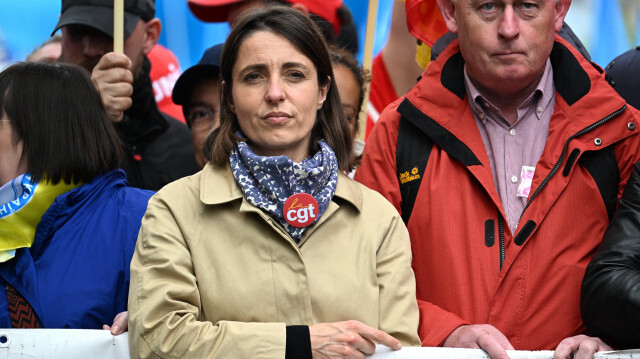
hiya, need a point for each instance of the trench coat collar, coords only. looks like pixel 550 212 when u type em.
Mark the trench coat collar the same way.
pixel 217 186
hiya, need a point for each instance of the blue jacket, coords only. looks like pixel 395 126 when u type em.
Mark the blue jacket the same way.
pixel 76 273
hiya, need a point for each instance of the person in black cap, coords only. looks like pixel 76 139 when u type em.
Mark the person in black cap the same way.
pixel 198 93
pixel 623 73
pixel 610 294
pixel 157 147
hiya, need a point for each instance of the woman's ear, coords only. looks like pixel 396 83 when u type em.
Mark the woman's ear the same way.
pixel 323 91
pixel 227 98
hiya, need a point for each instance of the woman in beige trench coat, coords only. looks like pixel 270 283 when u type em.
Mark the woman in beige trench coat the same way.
pixel 271 251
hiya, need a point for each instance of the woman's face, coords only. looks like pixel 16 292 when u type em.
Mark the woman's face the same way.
pixel 275 96
pixel 349 91
pixel 10 153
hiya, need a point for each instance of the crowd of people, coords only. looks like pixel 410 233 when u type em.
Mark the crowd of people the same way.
pixel 495 203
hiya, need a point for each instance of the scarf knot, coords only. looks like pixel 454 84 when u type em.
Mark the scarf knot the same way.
pixel 268 181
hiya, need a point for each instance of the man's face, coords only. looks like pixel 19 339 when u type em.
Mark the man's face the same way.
pixel 47 53
pixel 204 113
pixel 506 43
pixel 84 46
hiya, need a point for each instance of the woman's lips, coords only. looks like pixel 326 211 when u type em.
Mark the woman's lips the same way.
pixel 277 117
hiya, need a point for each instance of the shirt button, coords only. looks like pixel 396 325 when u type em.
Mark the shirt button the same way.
pixel 512 132
pixel 514 179
pixel 539 109
pixel 481 116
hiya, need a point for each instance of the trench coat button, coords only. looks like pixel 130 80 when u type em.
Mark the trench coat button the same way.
pixel 597 141
pixel 631 126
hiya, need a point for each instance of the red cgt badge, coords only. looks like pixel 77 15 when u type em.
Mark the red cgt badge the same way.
pixel 300 210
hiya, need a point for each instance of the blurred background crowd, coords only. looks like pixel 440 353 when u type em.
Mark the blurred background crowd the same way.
pixel 606 27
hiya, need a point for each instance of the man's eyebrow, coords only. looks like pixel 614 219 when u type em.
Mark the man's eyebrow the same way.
pixel 194 104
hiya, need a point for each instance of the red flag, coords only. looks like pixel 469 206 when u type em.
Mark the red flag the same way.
pixel 424 20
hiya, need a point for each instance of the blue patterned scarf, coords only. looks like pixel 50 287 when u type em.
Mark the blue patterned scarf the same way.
pixel 267 182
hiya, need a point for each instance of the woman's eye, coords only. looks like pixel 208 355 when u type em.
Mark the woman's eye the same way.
pixel 296 75
pixel 252 77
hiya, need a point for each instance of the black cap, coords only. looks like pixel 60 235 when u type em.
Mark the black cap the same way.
pixel 208 66
pixel 623 74
pixel 98 14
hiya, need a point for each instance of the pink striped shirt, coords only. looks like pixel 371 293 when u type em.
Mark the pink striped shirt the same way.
pixel 510 147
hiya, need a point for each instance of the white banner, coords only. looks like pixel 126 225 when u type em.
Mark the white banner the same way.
pixel 62 343
pixel 83 344
pixel 383 352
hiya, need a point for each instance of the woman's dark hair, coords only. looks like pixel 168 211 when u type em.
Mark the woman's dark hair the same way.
pixel 56 111
pixel 331 122
pixel 342 57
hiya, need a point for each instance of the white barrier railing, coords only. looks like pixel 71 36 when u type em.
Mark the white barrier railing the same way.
pixel 82 344
pixel 456 353
pixel 62 343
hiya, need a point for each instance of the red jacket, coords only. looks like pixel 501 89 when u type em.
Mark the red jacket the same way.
pixel 525 284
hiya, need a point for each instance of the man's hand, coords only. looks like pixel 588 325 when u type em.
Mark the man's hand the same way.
pixel 480 336
pixel 113 78
pixel 583 346
pixel 350 339
pixel 120 324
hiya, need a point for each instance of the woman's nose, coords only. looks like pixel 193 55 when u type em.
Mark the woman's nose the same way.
pixel 275 91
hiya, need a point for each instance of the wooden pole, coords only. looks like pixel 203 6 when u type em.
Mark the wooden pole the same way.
pixel 118 26
pixel 367 60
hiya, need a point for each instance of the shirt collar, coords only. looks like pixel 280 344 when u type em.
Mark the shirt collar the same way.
pixel 542 94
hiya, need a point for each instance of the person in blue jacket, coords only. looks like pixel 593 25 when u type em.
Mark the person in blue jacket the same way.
pixel 68 220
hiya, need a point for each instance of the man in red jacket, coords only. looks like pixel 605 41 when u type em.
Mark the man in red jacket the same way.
pixel 526 149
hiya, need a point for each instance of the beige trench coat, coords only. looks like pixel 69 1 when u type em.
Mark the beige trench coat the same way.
pixel 214 276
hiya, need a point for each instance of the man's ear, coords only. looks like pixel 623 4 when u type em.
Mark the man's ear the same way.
pixel 562 7
pixel 301 7
pixel 448 11
pixel 152 30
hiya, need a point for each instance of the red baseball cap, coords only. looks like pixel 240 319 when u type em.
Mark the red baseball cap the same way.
pixel 218 10
pixel 212 10
pixel 165 70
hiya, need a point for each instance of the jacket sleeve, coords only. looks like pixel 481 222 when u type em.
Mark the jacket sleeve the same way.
pixel 610 295
pixel 378 172
pixel 436 324
pixel 164 302
pixel 398 308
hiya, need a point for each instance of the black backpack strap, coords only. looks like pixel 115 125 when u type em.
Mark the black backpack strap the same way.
pixel 412 154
